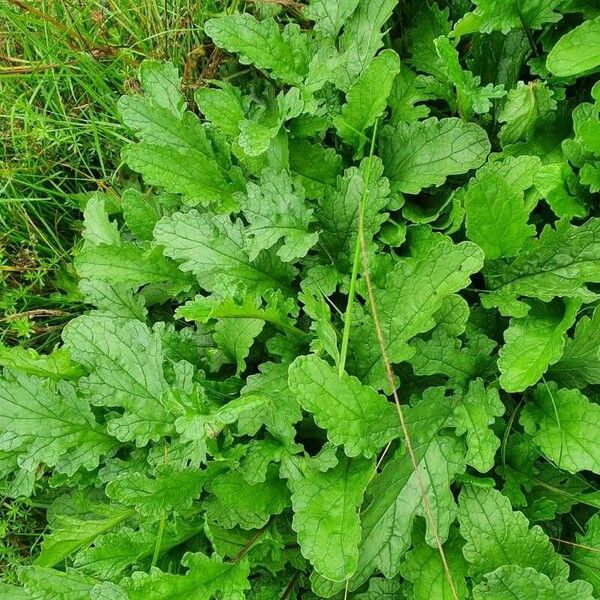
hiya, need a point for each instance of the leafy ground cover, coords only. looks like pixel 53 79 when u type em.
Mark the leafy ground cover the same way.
pixel 343 339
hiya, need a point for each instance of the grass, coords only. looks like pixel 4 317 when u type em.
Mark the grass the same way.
pixel 63 66
pixel 22 523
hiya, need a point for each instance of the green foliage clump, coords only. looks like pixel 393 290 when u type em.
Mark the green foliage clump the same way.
pixel 344 343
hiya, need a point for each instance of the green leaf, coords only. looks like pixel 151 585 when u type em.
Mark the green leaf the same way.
pixel 269 401
pixel 504 15
pixel 395 499
pixel 57 365
pixel 560 263
pixel 262 44
pixel 275 211
pixel 129 265
pixel 115 300
pixel 75 524
pixel 235 338
pixel 423 567
pixel 528 107
pixel 188 173
pixel 382 589
pixel 408 88
pixel 170 490
pixel 205 578
pixel 271 307
pixel 446 354
pixel 361 39
pixel 12 592
pixel 474 413
pixel 212 246
pixel 316 167
pixel 496 535
pixel 265 400
pixel 326 515
pixel 317 308
pixel 422 154
pixel 48 423
pixel 556 184
pixel 445 269
pixel 367 99
pixel 260 455
pixel 526 583
pixel 338 210
pixel 471 96
pixel 580 362
pixel 112 553
pixel 174 152
pixel 577 51
pixel 257 135
pixel 142 211
pixel 497 208
pixel 124 359
pixel 233 501
pixel 353 414
pixel 586 558
pixel 222 106
pixel 329 15
pixel 497 217
pixel 534 342
pixel 161 83
pixel 50 584
pixel 565 425
pixel 427 24
pixel 98 229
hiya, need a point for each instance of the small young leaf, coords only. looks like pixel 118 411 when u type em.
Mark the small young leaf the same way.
pixel 527 108
pixel 366 100
pixel 98 229
pixel 471 96
pixel 474 413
